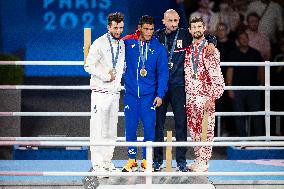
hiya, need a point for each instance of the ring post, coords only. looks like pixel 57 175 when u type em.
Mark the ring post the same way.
pixel 267 99
pixel 87 42
pixel 169 152
pixel 149 156
pixel 204 126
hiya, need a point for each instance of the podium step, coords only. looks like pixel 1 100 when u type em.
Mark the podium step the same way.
pixel 158 186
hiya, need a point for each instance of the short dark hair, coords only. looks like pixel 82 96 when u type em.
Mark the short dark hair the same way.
pixel 195 20
pixel 222 24
pixel 254 14
pixel 146 19
pixel 242 32
pixel 116 17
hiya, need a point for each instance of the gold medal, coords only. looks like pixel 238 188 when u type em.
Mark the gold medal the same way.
pixel 170 65
pixel 143 72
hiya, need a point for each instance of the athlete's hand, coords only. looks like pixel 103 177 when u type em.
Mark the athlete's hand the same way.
pixel 112 75
pixel 157 102
pixel 209 105
pixel 210 48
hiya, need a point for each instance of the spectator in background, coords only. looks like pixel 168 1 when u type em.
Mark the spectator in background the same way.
pixel 258 40
pixel 280 57
pixel 277 79
pixel 228 16
pixel 209 17
pixel 245 100
pixel 239 6
pixel 225 46
pixel 271 18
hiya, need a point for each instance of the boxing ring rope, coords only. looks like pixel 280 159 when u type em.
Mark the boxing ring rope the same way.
pixel 141 144
pixel 85 114
pixel 43 63
pixel 81 63
pixel 267 113
pixel 121 139
pixel 131 174
pixel 149 153
pixel 267 86
pixel 87 87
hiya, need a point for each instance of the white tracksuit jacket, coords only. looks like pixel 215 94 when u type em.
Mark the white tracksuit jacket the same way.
pixel 105 96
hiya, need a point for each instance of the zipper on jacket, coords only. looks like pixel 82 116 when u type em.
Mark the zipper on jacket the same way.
pixel 137 77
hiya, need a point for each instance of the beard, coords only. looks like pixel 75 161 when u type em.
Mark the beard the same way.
pixel 114 36
pixel 198 35
pixel 254 29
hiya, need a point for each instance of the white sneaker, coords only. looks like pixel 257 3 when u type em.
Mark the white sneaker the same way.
pixel 100 169
pixel 109 166
pixel 201 167
pixel 192 166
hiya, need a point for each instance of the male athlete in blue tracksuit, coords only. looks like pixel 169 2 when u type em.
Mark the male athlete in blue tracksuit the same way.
pixel 146 79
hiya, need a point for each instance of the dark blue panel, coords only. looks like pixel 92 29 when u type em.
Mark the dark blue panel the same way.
pixel 53 29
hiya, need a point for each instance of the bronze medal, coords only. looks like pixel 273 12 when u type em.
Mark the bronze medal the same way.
pixel 143 72
pixel 195 63
pixel 194 76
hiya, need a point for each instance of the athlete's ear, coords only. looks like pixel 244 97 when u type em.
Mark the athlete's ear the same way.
pixel 139 27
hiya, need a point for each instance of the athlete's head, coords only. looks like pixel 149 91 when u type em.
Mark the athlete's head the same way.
pixel 197 27
pixel 171 20
pixel 146 27
pixel 115 24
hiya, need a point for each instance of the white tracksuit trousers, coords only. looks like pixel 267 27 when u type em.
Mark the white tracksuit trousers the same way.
pixel 103 125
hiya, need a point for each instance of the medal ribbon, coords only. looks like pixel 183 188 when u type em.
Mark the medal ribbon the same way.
pixel 143 55
pixel 114 59
pixel 173 46
pixel 195 63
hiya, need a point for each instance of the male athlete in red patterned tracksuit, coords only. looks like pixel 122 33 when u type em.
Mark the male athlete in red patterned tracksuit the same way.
pixel 204 83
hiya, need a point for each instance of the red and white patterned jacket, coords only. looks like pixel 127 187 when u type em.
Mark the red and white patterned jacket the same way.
pixel 210 81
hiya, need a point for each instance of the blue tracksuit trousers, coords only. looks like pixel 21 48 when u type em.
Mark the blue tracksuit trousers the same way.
pixel 136 109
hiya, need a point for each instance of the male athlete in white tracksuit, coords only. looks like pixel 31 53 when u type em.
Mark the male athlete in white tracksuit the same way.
pixel 105 63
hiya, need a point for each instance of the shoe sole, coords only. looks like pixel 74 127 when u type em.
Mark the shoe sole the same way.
pixel 160 169
pixel 103 177
pixel 204 171
pixel 133 169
